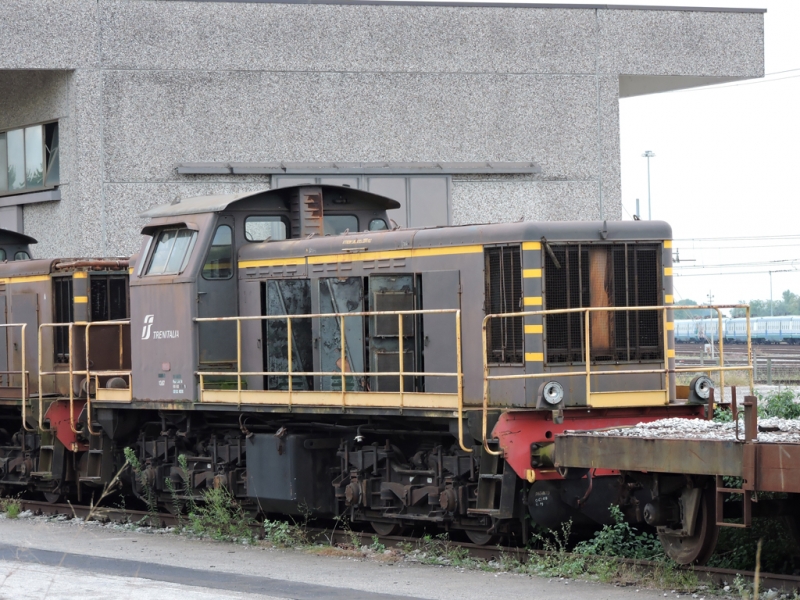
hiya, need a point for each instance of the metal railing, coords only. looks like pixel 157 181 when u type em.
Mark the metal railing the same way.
pixel 56 374
pixel 23 373
pixel 342 373
pixel 588 372
pixel 96 374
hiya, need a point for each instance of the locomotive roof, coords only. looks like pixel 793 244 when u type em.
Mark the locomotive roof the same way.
pixel 433 237
pixel 14 237
pixel 219 202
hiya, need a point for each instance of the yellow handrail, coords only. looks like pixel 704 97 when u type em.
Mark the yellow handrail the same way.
pixel 69 327
pixel 23 373
pixel 343 371
pixel 97 374
pixel 587 372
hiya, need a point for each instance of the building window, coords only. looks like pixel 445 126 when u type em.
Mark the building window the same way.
pixel 29 158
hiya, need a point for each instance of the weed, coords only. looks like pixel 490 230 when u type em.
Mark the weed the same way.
pixel 622 540
pixel 376 545
pixel 283 534
pixel 221 517
pixel 146 488
pixel 778 404
pixel 11 507
pixel 440 550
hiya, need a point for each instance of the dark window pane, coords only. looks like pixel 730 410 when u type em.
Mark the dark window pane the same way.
pixel 22 255
pixel 219 264
pixel 338 224
pixel 52 154
pixel 172 251
pixel 2 254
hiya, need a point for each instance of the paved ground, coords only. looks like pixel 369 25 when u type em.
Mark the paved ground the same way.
pixel 64 561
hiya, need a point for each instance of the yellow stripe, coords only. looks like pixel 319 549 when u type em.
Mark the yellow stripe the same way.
pixel 28 279
pixel 670 353
pixel 80 275
pixel 531 245
pixel 667 271
pixel 531 273
pixel 532 301
pixel 80 299
pixel 534 357
pixel 533 329
pixel 667 299
pixel 670 325
pixel 362 256
pixel 667 243
pixel 130 271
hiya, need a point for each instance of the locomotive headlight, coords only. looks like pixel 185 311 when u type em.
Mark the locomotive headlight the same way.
pixel 552 392
pixel 702 387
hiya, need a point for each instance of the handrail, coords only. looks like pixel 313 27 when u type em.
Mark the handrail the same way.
pixel 23 373
pixel 343 371
pixel 587 372
pixel 98 374
pixel 56 374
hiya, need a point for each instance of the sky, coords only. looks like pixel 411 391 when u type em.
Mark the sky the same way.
pixel 724 173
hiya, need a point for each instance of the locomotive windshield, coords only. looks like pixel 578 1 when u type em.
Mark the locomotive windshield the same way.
pixel 172 251
pixel 338 224
pixel 261 228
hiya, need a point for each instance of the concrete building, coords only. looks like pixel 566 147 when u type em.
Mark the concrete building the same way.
pixel 466 112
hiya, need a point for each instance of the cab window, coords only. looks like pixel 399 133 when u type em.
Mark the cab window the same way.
pixel 219 264
pixel 172 251
pixel 377 225
pixel 264 227
pixel 22 255
pixel 2 254
pixel 338 224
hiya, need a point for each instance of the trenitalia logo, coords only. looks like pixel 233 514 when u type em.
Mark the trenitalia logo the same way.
pixel 164 334
pixel 148 323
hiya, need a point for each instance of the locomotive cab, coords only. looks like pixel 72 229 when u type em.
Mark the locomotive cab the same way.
pixel 188 269
pixel 14 246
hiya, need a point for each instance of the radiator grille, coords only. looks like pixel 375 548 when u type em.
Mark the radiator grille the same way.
pixel 579 276
pixel 503 272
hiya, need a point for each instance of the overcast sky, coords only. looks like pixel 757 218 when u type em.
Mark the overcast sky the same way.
pixel 725 167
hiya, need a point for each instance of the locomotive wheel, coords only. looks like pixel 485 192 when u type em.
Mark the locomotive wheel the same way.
pixel 53 497
pixel 383 528
pixel 695 549
pixel 480 538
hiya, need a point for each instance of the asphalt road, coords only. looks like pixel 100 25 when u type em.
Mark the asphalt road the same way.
pixel 41 560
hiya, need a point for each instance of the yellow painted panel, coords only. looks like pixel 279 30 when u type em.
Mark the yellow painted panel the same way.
pixel 532 301
pixel 80 275
pixel 533 329
pixel 667 243
pixel 534 357
pixel 113 395
pixel 667 271
pixel 531 245
pixel 80 299
pixel 351 399
pixel 670 353
pixel 531 273
pixel 272 262
pixel 670 325
pixel 619 399
pixel 130 271
pixel 345 257
pixel 667 299
pixel 27 279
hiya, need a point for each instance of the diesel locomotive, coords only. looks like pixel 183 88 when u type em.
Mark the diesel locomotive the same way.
pixel 299 349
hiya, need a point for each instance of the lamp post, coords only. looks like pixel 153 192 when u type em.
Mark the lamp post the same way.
pixel 648 154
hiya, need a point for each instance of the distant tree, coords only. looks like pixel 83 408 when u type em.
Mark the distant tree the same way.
pixel 690 313
pixel 787 304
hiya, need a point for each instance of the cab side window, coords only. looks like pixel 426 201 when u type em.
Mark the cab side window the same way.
pixel 219 264
pixel 2 254
pixel 172 251
pixel 22 255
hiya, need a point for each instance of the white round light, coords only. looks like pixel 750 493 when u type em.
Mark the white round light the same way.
pixel 553 392
pixel 702 387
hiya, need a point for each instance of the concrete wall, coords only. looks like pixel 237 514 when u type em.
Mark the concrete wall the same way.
pixel 143 85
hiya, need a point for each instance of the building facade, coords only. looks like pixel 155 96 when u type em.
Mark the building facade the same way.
pixel 464 112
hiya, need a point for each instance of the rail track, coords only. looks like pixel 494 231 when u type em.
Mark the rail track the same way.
pixel 712 575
